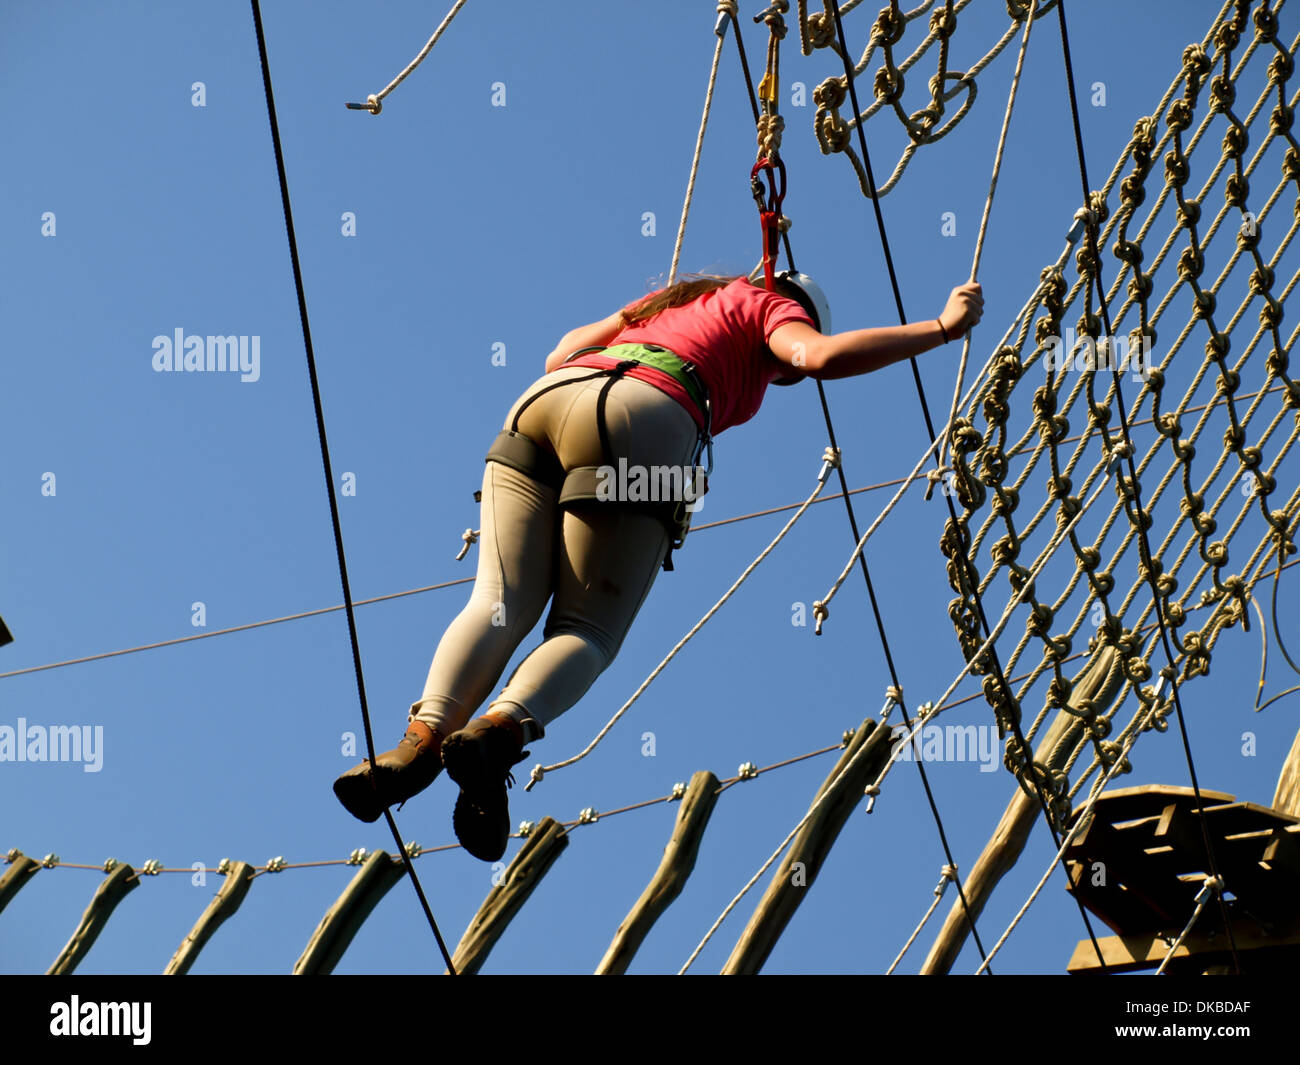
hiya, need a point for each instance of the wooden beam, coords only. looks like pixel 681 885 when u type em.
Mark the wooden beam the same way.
pixel 21 869
pixel 1100 681
pixel 1286 799
pixel 868 751
pixel 535 857
pixel 669 879
pixel 344 919
pixel 112 890
pixel 1134 953
pixel 229 896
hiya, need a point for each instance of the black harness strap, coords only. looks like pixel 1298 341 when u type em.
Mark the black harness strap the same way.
pixel 520 452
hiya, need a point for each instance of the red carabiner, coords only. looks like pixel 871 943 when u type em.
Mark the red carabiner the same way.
pixel 769 211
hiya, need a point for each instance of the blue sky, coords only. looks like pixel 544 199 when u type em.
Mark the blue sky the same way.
pixel 479 226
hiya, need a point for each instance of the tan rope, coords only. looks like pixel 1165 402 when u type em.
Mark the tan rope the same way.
pixel 375 101
pixel 830 460
pixel 726 13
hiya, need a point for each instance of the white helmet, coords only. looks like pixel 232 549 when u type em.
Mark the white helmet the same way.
pixel 815 302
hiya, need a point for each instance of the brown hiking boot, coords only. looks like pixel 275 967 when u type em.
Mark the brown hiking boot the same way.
pixel 406 770
pixel 478 758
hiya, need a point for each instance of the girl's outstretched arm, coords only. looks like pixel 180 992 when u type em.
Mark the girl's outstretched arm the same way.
pixel 860 351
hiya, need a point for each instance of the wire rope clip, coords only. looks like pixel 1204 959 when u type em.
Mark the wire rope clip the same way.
pixel 526 828
pixel 1118 454
pixel 679 791
pixel 276 864
pixel 747 771
pixel 49 861
pixel 1082 217
pixel 357 857
pixel 470 536
pixel 830 461
pixel 588 816
pixel 111 864
pixel 726 10
pixel 413 849
pixel 1212 884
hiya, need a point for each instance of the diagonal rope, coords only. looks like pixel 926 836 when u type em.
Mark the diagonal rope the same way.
pixel 828 789
pixel 375 101
pixel 726 13
pixel 988 209
pixel 829 459
pixel 1079 823
pixel 946 876
pixel 329 473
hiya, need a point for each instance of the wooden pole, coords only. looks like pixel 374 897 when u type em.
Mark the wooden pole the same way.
pixel 344 919
pixel 669 879
pixel 21 869
pixel 1100 681
pixel 1286 799
pixel 112 890
pixel 535 857
pixel 868 750
pixel 231 894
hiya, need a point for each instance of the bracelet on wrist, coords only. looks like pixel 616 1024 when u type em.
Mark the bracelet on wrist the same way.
pixel 942 330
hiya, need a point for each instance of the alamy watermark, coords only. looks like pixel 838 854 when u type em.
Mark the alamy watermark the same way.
pixel 1084 353
pixel 651 484
pixel 53 743
pixel 948 743
pixel 208 354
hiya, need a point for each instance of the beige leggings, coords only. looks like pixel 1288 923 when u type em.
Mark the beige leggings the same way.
pixel 595 563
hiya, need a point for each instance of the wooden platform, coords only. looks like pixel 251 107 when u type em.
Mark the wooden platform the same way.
pixel 1141 861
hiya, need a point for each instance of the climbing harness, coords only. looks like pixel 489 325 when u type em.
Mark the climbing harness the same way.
pixel 583 484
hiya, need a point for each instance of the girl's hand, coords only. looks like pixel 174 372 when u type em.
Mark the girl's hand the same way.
pixel 964 309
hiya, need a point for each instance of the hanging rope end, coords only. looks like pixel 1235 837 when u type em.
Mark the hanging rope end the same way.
pixel 373 104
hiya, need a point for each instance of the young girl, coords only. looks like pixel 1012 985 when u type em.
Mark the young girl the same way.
pixel 636 396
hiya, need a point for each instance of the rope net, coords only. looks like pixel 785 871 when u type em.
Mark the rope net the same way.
pixel 1213 411
pixel 890 33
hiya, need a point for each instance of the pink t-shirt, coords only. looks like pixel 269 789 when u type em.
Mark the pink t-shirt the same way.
pixel 724 335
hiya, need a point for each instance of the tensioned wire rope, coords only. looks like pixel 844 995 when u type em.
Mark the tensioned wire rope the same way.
pixel 329 477
pixel 1144 543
